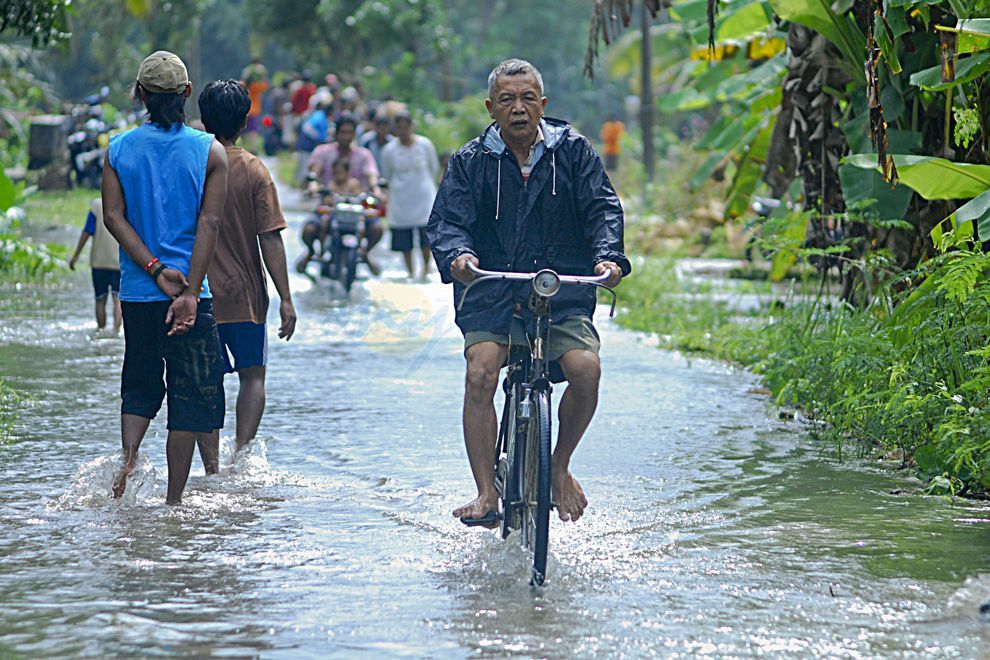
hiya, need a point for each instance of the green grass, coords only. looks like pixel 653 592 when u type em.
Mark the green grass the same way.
pixel 694 316
pixel 34 249
pixel 58 208
pixel 907 376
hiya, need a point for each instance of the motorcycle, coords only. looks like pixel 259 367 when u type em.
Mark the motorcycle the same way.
pixel 342 236
pixel 89 131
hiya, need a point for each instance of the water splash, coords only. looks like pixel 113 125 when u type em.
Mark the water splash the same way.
pixel 93 484
pixel 493 565
pixel 248 465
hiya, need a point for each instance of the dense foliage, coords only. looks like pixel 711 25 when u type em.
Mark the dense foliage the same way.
pixel 793 114
pixel 905 378
pixel 41 21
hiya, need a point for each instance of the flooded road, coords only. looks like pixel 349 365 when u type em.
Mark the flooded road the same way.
pixel 714 527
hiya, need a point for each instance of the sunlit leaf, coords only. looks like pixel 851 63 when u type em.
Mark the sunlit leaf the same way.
pixel 743 24
pixel 840 30
pixel 8 192
pixel 933 178
pixel 967 68
pixel 975 211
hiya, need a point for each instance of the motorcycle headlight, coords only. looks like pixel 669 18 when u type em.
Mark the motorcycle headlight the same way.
pixel 546 283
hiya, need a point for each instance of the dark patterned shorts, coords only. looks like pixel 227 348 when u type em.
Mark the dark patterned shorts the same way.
pixel 188 368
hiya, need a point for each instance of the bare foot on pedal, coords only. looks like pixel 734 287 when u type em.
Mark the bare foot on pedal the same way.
pixel 568 496
pixel 479 507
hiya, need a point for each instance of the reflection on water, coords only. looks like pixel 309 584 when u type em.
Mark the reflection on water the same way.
pixel 714 528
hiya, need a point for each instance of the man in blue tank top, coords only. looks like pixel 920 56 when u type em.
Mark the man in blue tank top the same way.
pixel 164 187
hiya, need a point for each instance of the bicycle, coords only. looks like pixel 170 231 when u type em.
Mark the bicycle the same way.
pixel 523 452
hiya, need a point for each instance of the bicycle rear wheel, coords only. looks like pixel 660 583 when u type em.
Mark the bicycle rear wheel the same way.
pixel 538 486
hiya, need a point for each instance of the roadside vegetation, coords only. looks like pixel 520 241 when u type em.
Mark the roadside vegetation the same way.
pixel 906 378
pixel 879 182
pixel 23 259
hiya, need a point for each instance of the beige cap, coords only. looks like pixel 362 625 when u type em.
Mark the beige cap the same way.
pixel 163 72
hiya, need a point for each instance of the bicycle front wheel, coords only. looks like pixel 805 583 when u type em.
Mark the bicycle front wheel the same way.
pixel 539 486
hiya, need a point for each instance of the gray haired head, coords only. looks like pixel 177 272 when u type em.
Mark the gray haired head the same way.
pixel 513 67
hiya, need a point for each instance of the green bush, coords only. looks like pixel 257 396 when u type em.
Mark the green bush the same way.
pixel 907 376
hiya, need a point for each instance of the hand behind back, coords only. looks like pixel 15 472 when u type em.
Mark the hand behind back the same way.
pixel 172 282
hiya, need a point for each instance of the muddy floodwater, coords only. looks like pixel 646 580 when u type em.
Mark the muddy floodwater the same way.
pixel 714 528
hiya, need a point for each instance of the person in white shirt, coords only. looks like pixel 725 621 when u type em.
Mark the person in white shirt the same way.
pixel 411 166
pixel 105 262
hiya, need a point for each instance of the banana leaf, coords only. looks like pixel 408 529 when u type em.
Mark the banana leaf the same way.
pixel 976 211
pixel 792 237
pixel 891 204
pixel 897 20
pixel 8 192
pixel 912 4
pixel 887 46
pixel 973 34
pixel 840 30
pixel 933 178
pixel 750 20
pixel 748 174
pixel 757 89
pixel 694 10
pixel 706 169
pixel 729 132
pixel 967 68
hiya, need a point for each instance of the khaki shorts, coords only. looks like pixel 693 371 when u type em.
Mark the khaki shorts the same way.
pixel 573 333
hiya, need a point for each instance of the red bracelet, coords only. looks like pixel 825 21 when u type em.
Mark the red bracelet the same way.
pixel 151 263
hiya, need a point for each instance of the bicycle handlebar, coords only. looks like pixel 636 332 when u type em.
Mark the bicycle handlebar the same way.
pixel 488 275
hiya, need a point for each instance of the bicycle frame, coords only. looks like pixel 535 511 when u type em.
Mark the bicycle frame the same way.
pixel 521 460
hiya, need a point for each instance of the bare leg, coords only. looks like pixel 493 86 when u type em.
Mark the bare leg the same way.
pixel 407 256
pixel 101 313
pixel 179 452
pixel 309 236
pixel 484 361
pixel 250 404
pixel 209 450
pixel 374 234
pixel 577 407
pixel 118 319
pixel 427 258
pixel 132 430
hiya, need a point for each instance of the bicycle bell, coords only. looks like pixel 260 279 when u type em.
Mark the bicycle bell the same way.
pixel 546 283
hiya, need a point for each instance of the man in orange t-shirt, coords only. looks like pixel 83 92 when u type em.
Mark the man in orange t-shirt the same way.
pixel 612 131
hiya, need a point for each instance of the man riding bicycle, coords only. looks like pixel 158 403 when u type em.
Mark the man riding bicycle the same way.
pixel 529 193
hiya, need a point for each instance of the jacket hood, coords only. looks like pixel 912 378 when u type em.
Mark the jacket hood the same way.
pixel 554 132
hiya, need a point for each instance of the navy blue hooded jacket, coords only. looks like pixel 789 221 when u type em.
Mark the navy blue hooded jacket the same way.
pixel 566 217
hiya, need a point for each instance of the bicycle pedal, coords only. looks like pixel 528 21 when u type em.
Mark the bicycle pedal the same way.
pixel 487 520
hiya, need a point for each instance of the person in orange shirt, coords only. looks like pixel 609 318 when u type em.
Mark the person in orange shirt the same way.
pixel 255 78
pixel 611 134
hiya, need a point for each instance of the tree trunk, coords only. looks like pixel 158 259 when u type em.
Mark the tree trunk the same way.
pixel 646 92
